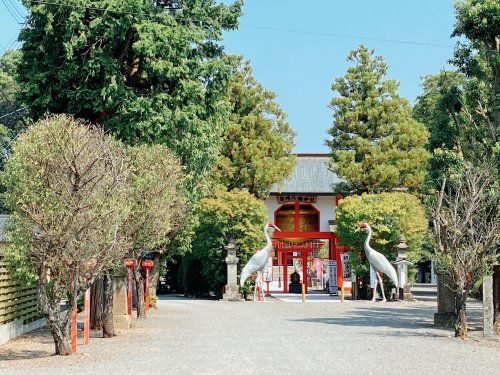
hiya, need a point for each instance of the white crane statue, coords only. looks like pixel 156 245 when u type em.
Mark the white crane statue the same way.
pixel 258 261
pixel 379 263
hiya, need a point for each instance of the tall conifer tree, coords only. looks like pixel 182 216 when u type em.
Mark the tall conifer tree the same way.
pixel 376 144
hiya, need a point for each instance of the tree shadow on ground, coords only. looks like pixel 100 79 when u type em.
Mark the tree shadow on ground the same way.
pixel 39 341
pixel 411 321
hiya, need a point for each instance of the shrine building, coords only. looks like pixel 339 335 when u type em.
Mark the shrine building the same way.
pixel 303 207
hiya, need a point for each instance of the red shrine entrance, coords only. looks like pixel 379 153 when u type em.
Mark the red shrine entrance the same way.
pixel 301 238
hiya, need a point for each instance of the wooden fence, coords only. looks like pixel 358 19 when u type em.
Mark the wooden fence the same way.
pixel 17 301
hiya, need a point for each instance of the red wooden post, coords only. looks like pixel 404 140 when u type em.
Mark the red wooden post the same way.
pixel 285 271
pixel 86 304
pixel 130 264
pixel 304 269
pixel 147 264
pixel 74 315
pixel 86 317
pixel 280 264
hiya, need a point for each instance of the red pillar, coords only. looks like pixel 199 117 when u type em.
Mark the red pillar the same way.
pixel 86 317
pixel 304 269
pixel 340 270
pixel 147 264
pixel 147 289
pixel 285 272
pixel 130 264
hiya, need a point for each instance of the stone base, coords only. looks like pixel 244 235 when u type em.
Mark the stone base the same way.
pixel 232 293
pixel 122 321
pixel 445 319
pixel 232 297
pixel 407 297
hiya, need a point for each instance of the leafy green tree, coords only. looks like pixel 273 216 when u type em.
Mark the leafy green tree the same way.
pixel 157 207
pixel 478 21
pixel 148 73
pixel 439 107
pixel 257 146
pixel 11 109
pixel 376 144
pixel 236 214
pixel 391 215
pixel 65 185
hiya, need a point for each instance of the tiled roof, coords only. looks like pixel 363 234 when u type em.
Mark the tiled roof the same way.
pixel 312 174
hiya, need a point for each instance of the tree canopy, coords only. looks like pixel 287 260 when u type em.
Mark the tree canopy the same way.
pixel 257 146
pixel 236 214
pixel 478 21
pixel 376 144
pixel 391 215
pixel 65 186
pixel 155 196
pixel 148 73
pixel 11 109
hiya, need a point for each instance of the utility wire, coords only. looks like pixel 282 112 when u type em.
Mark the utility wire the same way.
pixel 11 11
pixel 234 25
pixel 15 7
pixel 14 112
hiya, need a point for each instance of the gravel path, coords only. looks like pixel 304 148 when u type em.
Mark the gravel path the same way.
pixel 209 337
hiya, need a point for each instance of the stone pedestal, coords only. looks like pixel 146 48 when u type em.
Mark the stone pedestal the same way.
pixel 445 317
pixel 121 319
pixel 232 289
pixel 488 311
pixel 402 263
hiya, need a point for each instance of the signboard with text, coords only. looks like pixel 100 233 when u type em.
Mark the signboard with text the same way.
pixel 332 277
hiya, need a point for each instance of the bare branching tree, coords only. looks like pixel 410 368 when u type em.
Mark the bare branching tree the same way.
pixel 467 230
pixel 157 206
pixel 65 186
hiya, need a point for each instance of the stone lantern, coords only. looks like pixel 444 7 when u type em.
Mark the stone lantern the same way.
pixel 402 263
pixel 232 290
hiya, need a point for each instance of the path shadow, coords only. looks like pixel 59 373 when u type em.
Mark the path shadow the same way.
pixel 13 355
pixel 412 321
pixel 40 342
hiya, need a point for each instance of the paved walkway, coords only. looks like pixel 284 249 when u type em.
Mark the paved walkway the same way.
pixel 210 337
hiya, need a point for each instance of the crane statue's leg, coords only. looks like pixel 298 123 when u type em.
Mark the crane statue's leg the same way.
pixel 373 283
pixel 381 286
pixel 374 298
pixel 255 289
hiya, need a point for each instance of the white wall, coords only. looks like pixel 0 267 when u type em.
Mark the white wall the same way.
pixel 324 204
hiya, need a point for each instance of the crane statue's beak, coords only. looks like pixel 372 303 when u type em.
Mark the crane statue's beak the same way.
pixel 274 226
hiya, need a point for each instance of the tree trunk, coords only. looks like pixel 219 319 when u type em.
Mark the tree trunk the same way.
pixel 96 304
pixel 460 310
pixel 155 274
pixel 139 286
pixel 108 328
pixel 59 322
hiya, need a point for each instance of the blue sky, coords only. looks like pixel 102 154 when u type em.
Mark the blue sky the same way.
pixel 300 67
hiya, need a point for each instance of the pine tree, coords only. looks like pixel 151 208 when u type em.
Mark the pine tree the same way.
pixel 376 144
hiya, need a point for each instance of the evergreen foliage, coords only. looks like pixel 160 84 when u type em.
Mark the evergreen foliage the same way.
pixel 257 146
pixel 391 215
pixel 10 106
pixel 236 214
pixel 147 73
pixel 376 144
